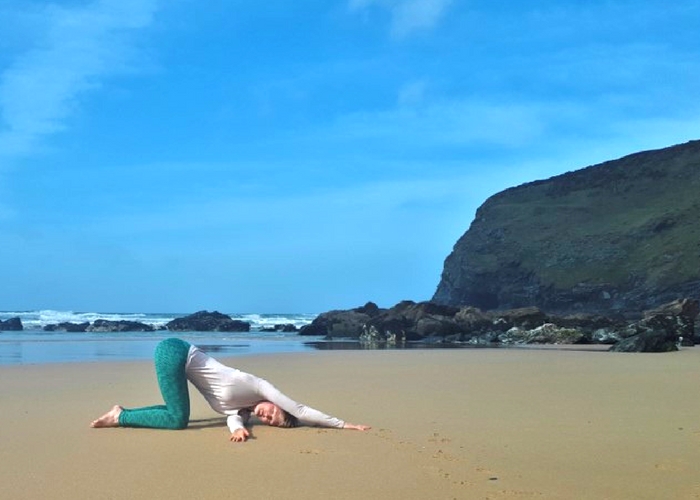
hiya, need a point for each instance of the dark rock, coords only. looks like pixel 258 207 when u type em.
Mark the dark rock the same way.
pixel 347 325
pixel 547 333
pixel 687 308
pixel 337 324
pixel 424 321
pixel 605 336
pixel 342 323
pixel 370 309
pixel 436 326
pixel 659 330
pixel 280 328
pixel 649 341
pixel 595 329
pixel 473 319
pixel 685 311
pixel 653 333
pixel 67 327
pixel 11 325
pixel 578 242
pixel 389 327
pixel 104 326
pixel 524 317
pixel 477 327
pixel 204 321
pixel 409 320
pixel 318 327
pixel 588 322
pixel 416 311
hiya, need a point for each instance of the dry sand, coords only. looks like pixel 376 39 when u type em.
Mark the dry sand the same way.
pixel 472 424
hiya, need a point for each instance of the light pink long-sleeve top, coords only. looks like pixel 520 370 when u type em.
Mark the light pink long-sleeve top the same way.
pixel 228 391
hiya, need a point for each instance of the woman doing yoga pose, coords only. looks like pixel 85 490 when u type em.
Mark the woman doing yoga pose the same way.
pixel 228 391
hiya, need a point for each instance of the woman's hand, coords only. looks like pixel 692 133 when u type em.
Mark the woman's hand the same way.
pixel 239 435
pixel 356 427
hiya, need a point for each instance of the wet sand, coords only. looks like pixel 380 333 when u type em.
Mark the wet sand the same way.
pixel 472 424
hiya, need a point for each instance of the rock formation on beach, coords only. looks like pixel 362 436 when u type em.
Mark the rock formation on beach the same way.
pixel 204 321
pixel 99 326
pixel 11 325
pixel 616 239
pixel 604 255
pixel 104 326
pixel 67 326
pixel 660 330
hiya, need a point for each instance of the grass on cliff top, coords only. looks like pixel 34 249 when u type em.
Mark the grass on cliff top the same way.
pixel 625 220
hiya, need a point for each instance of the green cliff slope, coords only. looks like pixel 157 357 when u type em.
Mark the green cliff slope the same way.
pixel 620 236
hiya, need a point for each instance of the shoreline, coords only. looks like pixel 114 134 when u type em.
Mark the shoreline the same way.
pixel 36 347
pixel 447 423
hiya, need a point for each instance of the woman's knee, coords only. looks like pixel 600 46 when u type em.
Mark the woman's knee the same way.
pixel 172 344
pixel 179 419
pixel 178 425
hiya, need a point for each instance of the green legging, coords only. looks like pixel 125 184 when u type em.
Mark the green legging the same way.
pixel 170 359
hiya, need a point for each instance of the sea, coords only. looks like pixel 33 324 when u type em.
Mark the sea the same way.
pixel 33 345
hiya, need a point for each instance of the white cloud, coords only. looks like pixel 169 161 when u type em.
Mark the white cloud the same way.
pixel 412 93
pixel 408 16
pixel 414 15
pixel 447 123
pixel 77 49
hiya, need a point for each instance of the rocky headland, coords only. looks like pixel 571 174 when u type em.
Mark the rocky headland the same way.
pixel 606 254
pixel 616 239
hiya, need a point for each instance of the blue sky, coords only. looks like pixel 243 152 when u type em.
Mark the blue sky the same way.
pixel 304 156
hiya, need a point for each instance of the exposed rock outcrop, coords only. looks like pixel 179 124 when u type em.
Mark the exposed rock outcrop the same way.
pixel 341 323
pixel 67 326
pixel 658 333
pixel 616 238
pixel 105 326
pixel 205 321
pixel 682 313
pixel 409 320
pixel 661 330
pixel 11 325
pixel 286 327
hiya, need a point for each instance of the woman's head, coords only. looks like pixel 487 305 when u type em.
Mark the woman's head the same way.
pixel 271 414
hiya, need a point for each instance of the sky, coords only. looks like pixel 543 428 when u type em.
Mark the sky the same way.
pixel 173 156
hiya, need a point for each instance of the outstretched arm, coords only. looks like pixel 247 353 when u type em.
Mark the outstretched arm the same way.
pixel 240 435
pixel 305 414
pixel 356 427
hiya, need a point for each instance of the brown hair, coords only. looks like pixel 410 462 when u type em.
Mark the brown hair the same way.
pixel 288 420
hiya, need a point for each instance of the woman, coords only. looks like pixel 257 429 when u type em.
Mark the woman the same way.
pixel 228 391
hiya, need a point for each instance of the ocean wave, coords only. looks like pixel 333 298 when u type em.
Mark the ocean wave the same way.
pixel 36 320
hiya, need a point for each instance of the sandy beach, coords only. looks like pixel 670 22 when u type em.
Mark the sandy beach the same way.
pixel 472 424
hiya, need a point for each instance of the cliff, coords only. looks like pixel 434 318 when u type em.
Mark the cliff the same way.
pixel 619 237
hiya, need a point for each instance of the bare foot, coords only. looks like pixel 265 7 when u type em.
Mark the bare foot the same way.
pixel 109 419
